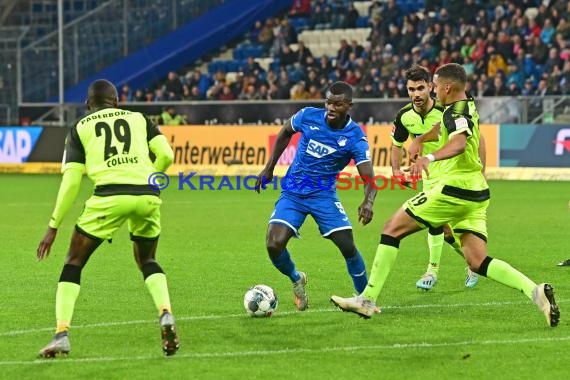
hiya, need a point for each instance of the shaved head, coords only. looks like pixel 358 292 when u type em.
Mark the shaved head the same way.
pixel 102 94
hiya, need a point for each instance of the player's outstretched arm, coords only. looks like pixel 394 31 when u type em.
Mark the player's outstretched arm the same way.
pixel 68 190
pixel 163 152
pixel 283 139
pixel 454 147
pixel 396 159
pixel 365 210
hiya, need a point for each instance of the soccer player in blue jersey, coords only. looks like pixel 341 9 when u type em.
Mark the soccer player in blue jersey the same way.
pixel 112 145
pixel 329 140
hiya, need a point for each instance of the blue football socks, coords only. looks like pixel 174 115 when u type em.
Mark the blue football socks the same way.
pixel 286 266
pixel 357 271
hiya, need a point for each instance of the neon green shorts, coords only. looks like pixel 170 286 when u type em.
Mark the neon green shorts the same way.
pixel 102 216
pixel 434 209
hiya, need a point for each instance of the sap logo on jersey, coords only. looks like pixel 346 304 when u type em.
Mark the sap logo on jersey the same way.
pixel 17 143
pixel 562 142
pixel 316 149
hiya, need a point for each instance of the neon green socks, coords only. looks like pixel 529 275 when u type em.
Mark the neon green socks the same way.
pixel 65 298
pixel 505 274
pixel 383 263
pixel 158 289
pixel 435 244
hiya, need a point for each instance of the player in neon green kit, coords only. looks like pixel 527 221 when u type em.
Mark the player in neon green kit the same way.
pixel 416 119
pixel 112 145
pixel 460 198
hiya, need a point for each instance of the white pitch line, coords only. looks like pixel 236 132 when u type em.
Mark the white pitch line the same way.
pixel 223 316
pixel 207 355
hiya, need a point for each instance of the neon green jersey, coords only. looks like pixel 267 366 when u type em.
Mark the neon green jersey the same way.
pixel 464 170
pixel 409 122
pixel 113 144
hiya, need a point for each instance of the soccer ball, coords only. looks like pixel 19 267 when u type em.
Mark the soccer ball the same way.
pixel 260 301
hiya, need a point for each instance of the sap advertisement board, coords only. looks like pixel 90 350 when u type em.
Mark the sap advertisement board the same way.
pixel 546 145
pixel 31 144
pixel 17 143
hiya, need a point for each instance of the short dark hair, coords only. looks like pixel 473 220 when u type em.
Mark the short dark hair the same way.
pixel 452 71
pixel 102 92
pixel 341 88
pixel 418 73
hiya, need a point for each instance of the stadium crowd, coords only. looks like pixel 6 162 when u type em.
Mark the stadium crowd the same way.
pixel 508 48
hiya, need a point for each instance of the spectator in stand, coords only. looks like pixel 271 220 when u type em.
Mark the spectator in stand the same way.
pixel 251 67
pixel 159 95
pixel 195 94
pixel 173 86
pixel 238 85
pixel 298 92
pixel 312 78
pixel 528 88
pixel 496 63
pixel 480 89
pixel 563 29
pixel 310 63
pixel 533 28
pixel 288 32
pixel 303 53
pixel 139 95
pixel 564 82
pixel 553 81
pixel 390 15
pixel 497 89
pixel 518 45
pixel 375 11
pixel 255 32
pixel 552 61
pixel 338 19
pixel 287 57
pixel 300 8
pixel 126 94
pixel 351 17
pixel 515 76
pixel 368 90
pixel 513 89
pixel 356 48
pixel 505 46
pixel 468 12
pixel 226 93
pixel 169 116
pixel 320 19
pixel 249 92
pixel 342 55
pixel 547 32
pixel 262 93
pixel 314 93
pixel 283 85
pixel 265 37
pixel 149 95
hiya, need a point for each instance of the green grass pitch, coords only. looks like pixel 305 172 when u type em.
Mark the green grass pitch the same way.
pixel 212 249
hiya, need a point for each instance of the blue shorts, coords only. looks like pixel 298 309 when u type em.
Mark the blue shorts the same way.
pixel 327 211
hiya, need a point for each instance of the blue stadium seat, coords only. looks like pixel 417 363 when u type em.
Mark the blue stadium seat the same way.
pixel 362 22
pixel 213 67
pixel 232 66
pixel 299 23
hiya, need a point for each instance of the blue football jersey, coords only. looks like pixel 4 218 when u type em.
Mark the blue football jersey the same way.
pixel 322 152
